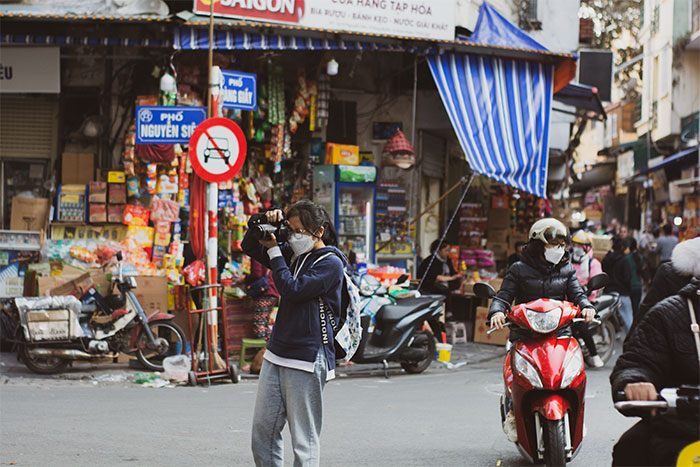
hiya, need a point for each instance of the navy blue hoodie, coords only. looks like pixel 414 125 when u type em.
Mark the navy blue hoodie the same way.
pixel 296 333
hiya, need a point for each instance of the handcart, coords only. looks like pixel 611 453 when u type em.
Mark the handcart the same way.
pixel 203 367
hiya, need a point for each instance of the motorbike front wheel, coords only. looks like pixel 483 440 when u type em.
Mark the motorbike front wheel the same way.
pixel 424 343
pixel 42 365
pixel 554 443
pixel 170 340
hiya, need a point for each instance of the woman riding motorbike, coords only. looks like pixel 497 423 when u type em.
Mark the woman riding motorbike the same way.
pixel 586 266
pixel 543 272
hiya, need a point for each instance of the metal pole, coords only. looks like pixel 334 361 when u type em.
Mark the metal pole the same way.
pixel 444 233
pixel 212 196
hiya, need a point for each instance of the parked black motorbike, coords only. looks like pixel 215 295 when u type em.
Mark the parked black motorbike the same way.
pixel 604 329
pixel 397 333
pixel 50 332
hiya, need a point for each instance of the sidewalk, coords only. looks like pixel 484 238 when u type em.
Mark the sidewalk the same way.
pixel 464 356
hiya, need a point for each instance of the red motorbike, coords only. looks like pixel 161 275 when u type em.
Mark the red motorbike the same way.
pixel 545 380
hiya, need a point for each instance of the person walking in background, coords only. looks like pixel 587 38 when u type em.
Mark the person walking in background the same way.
pixel 261 288
pixel 515 257
pixel 617 267
pixel 666 243
pixel 635 263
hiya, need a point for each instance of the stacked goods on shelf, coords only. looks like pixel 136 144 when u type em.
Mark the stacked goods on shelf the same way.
pixel 472 224
pixel 392 218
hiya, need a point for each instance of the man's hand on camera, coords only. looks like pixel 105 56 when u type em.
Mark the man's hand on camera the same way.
pixel 272 242
pixel 274 215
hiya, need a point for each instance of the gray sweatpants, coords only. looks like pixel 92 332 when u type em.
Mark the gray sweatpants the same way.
pixel 294 396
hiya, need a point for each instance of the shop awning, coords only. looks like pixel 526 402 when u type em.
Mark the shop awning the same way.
pixel 687 156
pixel 598 175
pixel 581 97
pixel 499 108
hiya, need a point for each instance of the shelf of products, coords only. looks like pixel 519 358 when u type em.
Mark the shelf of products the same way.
pixel 392 221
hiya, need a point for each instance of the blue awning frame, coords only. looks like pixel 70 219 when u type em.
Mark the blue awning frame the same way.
pixel 678 157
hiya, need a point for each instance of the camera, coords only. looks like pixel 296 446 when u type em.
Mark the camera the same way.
pixel 261 230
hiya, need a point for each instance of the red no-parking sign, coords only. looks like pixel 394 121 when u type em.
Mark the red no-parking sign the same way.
pixel 217 149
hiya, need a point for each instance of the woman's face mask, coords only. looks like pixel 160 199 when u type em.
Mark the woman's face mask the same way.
pixel 301 243
pixel 577 254
pixel 554 254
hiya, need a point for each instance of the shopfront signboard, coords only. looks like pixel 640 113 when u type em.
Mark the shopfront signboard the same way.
pixel 167 125
pixel 217 149
pixel 239 90
pixel 430 19
pixel 30 69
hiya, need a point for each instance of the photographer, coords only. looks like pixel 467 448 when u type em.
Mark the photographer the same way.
pixel 297 362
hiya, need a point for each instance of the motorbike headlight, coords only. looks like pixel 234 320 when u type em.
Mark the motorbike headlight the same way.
pixel 526 369
pixel 544 322
pixel 573 364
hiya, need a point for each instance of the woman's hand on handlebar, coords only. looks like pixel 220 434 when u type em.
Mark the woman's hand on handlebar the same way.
pixel 274 215
pixel 498 320
pixel 588 314
pixel 641 392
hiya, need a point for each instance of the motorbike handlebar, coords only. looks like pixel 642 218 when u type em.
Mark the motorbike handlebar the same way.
pixel 494 329
pixel 582 320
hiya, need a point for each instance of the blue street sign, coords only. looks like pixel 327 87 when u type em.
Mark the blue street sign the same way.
pixel 155 124
pixel 239 90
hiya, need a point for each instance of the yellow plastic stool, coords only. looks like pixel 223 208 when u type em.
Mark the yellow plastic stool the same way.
pixel 250 344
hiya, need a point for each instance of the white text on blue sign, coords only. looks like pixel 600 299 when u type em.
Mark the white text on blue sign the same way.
pixel 239 90
pixel 156 124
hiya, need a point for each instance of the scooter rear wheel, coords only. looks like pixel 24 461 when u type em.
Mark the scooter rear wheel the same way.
pixel 42 365
pixel 423 340
pixel 554 443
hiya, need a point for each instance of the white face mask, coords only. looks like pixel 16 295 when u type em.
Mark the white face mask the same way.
pixel 301 243
pixel 577 254
pixel 554 255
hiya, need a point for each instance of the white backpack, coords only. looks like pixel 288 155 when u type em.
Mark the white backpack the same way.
pixel 347 332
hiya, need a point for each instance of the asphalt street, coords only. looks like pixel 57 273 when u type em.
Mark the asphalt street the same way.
pixel 442 417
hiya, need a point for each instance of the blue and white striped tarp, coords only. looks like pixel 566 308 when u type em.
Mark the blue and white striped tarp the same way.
pixel 193 38
pixel 500 112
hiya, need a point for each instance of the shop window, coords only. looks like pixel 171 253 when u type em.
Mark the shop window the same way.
pixel 529 20
pixel 28 126
pixel 342 122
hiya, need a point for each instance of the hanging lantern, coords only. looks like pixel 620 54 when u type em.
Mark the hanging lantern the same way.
pixel 398 152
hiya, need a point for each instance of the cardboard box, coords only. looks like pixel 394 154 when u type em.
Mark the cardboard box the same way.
pixel 77 168
pixel 514 238
pixel 117 193
pixel 601 242
pixel 152 293
pixel 480 327
pixel 78 286
pixel 97 192
pixel 497 235
pixel 500 250
pixel 97 212
pixel 115 213
pixel 496 284
pixel 498 219
pixel 29 213
pixel 342 154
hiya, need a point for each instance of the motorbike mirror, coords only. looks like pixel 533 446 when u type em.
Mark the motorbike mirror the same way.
pixel 484 290
pixel 119 256
pixel 402 278
pixel 598 281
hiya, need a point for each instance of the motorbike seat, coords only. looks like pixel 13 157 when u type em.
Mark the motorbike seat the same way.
pixel 392 314
pixel 604 301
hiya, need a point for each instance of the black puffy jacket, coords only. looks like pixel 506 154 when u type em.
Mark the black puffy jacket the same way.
pixel 533 278
pixel 661 350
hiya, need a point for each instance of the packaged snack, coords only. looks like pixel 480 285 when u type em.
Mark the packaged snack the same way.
pixel 162 234
pixel 132 187
pixel 135 215
pixel 143 236
pixel 165 210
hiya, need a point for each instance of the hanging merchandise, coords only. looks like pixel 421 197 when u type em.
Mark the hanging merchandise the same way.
pixel 302 101
pixel 324 97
